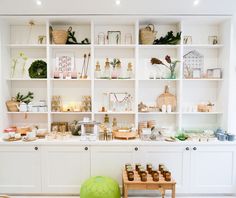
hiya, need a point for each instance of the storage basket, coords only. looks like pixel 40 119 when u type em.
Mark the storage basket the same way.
pixel 59 36
pixel 12 105
pixel 148 35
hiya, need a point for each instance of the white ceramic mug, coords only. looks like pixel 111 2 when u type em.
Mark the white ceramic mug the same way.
pixel 42 108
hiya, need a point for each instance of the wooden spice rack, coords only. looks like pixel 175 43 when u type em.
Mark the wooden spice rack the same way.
pixel 137 184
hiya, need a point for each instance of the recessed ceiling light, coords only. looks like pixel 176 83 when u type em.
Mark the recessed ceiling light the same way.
pixel 39 3
pixel 196 2
pixel 117 2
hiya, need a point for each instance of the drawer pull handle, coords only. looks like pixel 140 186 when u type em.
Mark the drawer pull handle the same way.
pixel 187 148
pixel 86 148
pixel 36 148
pixel 194 148
pixel 136 148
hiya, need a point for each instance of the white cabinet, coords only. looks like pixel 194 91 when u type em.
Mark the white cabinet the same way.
pixel 176 158
pixel 213 169
pixel 64 168
pixel 109 160
pixel 20 169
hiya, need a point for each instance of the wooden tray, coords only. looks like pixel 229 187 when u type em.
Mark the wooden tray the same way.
pixel 12 139
pixel 125 135
pixel 29 140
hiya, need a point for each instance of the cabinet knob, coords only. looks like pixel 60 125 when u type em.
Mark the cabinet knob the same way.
pixel 187 148
pixel 194 148
pixel 86 148
pixel 36 148
pixel 136 148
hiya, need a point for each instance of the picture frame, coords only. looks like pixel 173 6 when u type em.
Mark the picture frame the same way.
pixel 214 73
pixel 187 40
pixel 212 40
pixel 65 64
pixel 196 73
pixel 114 37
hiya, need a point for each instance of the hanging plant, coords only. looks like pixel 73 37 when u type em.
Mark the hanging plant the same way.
pixel 38 69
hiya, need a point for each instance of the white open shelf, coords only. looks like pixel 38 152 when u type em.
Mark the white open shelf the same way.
pixel 140 86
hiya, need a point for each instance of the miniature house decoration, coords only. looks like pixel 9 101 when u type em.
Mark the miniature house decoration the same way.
pixel 193 60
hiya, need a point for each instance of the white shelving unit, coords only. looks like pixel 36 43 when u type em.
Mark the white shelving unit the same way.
pixel 14 39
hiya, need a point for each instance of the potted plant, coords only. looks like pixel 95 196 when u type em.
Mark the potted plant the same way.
pixel 171 66
pixel 116 64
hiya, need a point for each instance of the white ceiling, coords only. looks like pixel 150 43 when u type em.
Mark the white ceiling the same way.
pixel 109 7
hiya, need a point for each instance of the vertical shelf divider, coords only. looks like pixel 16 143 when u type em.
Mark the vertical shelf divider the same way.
pixel 136 72
pixel 49 89
pixel 92 68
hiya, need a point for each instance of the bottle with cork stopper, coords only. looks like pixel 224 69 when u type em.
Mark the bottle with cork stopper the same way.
pixel 97 71
pixel 130 70
pixel 107 70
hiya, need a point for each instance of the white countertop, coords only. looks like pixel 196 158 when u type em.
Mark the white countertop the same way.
pixel 75 141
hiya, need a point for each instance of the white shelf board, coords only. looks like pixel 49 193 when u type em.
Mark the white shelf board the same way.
pixel 159 46
pixel 27 45
pixel 159 80
pixel 27 113
pixel 114 79
pixel 78 79
pixel 202 113
pixel 72 46
pixel 157 113
pixel 207 46
pixel 27 79
pixel 203 79
pixel 119 46
pixel 113 112
pixel 71 113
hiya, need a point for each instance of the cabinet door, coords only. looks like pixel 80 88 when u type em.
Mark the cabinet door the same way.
pixel 110 160
pixel 20 169
pixel 65 168
pixel 213 169
pixel 176 159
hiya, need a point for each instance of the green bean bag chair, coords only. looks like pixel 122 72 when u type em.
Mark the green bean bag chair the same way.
pixel 100 187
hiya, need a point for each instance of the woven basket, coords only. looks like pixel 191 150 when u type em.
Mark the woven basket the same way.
pixel 59 36
pixel 148 35
pixel 166 99
pixel 12 105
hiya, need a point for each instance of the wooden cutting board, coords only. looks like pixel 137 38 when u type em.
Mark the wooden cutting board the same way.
pixel 166 99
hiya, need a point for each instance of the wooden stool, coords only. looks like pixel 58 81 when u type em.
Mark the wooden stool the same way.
pixel 137 184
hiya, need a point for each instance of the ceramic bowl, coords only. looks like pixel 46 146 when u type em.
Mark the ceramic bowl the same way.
pixel 231 137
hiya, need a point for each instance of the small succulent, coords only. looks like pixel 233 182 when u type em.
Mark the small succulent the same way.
pixel 115 62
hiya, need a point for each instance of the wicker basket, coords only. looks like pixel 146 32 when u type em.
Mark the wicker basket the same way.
pixel 59 36
pixel 148 35
pixel 12 105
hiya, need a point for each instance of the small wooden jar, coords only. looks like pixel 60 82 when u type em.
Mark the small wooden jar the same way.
pixel 141 169
pixel 161 167
pixel 155 176
pixel 149 168
pixel 130 174
pixel 137 167
pixel 128 165
pixel 143 176
pixel 168 176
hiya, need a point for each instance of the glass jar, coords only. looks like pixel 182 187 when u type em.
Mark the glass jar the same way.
pixel 97 71
pixel 107 70
pixel 130 71
pixel 128 39
pixel 114 73
pixel 101 38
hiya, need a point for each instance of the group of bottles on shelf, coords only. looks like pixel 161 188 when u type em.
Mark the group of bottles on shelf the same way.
pixel 115 72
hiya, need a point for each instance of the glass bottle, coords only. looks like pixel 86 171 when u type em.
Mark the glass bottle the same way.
pixel 107 71
pixel 130 71
pixel 114 124
pixel 118 70
pixel 107 122
pixel 97 71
